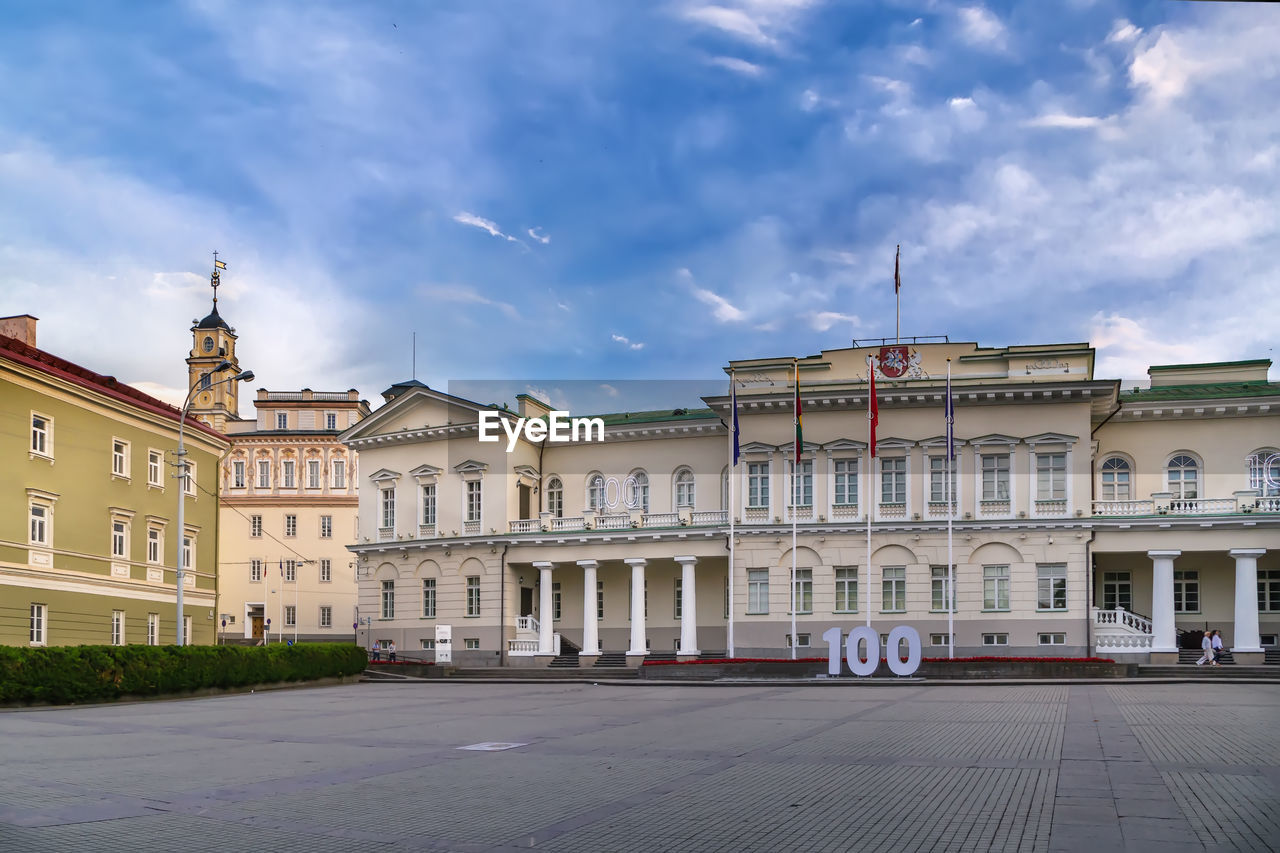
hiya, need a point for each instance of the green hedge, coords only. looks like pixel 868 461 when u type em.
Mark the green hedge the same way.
pixel 63 675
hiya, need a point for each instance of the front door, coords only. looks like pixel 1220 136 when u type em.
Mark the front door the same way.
pixel 523 492
pixel 526 601
pixel 257 627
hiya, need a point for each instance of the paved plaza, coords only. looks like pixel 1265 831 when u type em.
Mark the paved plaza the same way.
pixel 378 767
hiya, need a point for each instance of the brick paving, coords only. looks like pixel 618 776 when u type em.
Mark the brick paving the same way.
pixel 378 767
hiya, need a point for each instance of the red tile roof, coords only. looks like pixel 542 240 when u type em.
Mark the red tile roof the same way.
pixel 46 362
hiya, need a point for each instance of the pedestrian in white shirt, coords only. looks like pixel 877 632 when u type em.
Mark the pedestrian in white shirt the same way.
pixel 1206 646
pixel 1216 644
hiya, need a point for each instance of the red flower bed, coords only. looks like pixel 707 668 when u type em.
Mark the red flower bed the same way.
pixel 882 660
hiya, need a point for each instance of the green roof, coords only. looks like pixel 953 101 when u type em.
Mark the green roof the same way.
pixel 1251 363
pixel 655 416
pixel 1204 391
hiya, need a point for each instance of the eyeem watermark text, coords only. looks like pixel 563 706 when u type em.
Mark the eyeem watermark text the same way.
pixel 557 428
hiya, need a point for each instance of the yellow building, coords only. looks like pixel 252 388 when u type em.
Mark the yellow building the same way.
pixel 89 498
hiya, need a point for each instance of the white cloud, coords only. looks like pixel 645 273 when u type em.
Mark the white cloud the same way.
pixel 735 22
pixel 483 224
pixel 836 256
pixel 821 321
pixel 173 396
pixel 609 389
pixel 627 342
pixel 544 239
pixel 465 294
pixel 723 310
pixel 736 65
pixel 916 55
pixel 979 27
pixel 1127 347
pixel 761 23
pixel 1162 69
pixel 968 115
pixel 1063 120
pixel 1123 32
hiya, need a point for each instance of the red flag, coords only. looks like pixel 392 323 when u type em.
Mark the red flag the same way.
pixel 873 408
pixel 897 278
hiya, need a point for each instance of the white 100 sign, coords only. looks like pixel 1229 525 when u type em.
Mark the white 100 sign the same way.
pixel 609 493
pixel 867 665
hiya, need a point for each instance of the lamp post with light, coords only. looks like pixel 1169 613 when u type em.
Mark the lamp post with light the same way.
pixel 246 375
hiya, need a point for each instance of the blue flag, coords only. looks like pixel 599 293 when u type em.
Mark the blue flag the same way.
pixel 737 451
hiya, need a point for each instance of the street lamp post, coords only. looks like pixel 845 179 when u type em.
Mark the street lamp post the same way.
pixel 246 375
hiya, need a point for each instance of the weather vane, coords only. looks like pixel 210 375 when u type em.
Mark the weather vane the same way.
pixel 216 279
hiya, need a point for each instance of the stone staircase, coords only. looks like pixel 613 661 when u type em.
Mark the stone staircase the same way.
pixel 531 673
pixel 1271 657
pixel 611 660
pixel 1190 656
pixel 564 660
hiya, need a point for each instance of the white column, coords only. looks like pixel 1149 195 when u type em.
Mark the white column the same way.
pixel 590 630
pixel 1164 637
pixel 1246 634
pixel 546 609
pixel 688 607
pixel 638 645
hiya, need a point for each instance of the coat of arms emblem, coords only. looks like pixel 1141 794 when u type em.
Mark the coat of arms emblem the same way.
pixel 893 361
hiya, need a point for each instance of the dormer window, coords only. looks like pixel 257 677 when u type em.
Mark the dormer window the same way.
pixel 282 420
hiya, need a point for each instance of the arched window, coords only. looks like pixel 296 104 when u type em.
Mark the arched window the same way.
pixel 1264 472
pixel 555 497
pixel 638 490
pixel 1184 477
pixel 684 488
pixel 1116 479
pixel 595 490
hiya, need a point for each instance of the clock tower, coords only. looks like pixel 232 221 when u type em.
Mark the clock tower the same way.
pixel 212 342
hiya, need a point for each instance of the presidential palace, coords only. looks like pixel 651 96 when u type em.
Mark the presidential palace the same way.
pixel 1085 517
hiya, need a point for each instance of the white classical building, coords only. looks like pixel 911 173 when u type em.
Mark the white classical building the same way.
pixel 1085 519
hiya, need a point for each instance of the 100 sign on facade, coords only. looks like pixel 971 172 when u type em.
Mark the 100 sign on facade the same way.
pixel 861 666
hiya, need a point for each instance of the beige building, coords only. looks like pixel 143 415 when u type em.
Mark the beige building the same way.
pixel 288 504
pixel 1085 519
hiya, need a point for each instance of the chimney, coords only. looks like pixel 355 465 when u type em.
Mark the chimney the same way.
pixel 21 326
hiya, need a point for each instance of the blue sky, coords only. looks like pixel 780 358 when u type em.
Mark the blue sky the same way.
pixel 635 190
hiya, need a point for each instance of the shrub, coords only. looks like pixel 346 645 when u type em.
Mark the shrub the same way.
pixel 62 675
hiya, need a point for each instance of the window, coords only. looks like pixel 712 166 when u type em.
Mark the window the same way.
pixel 120 539
pixel 120 458
pixel 1264 472
pixel 155 545
pixel 117 627
pixel 313 474
pixel 595 490
pixel 599 599
pixel 473 500
pixel 1183 478
pixel 188 553
pixel 846 589
pixel 330 420
pixel 1115 479
pixel 940 580
pixel 255 571
pixel 1117 591
pixel 264 473
pixel 1269 590
pixel 937 479
pixel 757 590
pixel 995 587
pixel 189 481
pixel 995 477
pixel 1051 587
pixel 893 480
pixel 326 616
pixel 995 639
pixel 153 629
pixel 758 485
pixel 255 526
pixel 428 598
pixel 804 590
pixel 326 527
pixel 326 570
pixel 555 601
pixel 684 488
pixel 939 639
pixel 846 473
pixel 804 641
pixel 291 525
pixel 41 435
pixel 679 597
pixel 428 645
pixel 154 467
pixel 290 616
pixel 637 487
pixel 429 505
pixel 339 473
pixel 286 474
pixel 387 502
pixel 282 420
pixel 39 624
pixel 1058 639
pixel 206 382
pixel 555 497
pixel 801 485
pixel 388 599
pixel 237 474
pixel 1051 476
pixel 41 524
pixel 471 643
pixel 894 589
pixel 473 595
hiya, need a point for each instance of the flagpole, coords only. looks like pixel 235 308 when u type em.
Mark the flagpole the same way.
pixel 795 472
pixel 295 607
pixel 951 511
pixel 280 608
pixel 897 294
pixel 871 495
pixel 733 472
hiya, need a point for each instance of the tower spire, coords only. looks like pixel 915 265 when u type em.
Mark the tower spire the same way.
pixel 216 279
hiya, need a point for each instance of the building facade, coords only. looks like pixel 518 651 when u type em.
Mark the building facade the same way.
pixel 1084 519
pixel 88 541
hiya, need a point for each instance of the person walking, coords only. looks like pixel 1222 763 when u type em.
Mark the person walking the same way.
pixel 377 650
pixel 1206 646
pixel 1216 644
pixel 391 652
